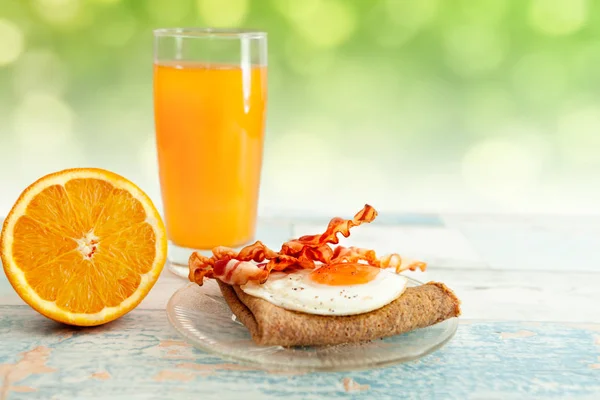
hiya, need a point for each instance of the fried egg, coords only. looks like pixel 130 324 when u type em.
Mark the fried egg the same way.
pixel 338 289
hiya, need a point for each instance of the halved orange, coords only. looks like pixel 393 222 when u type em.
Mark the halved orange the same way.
pixel 83 246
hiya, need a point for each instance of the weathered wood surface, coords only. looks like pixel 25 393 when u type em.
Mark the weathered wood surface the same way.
pixel 530 329
pixel 140 356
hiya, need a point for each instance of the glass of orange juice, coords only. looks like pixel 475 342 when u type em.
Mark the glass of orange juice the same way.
pixel 210 96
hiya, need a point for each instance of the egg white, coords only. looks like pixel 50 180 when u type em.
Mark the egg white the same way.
pixel 296 291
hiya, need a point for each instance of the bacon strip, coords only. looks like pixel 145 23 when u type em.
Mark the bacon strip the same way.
pixel 355 254
pixel 336 225
pixel 240 272
pixel 215 266
pixel 235 268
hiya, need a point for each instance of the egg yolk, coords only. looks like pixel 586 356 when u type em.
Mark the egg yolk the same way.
pixel 344 274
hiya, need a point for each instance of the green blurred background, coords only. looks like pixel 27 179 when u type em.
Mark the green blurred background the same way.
pixel 428 105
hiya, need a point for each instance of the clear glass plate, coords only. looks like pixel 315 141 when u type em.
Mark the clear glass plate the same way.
pixel 201 315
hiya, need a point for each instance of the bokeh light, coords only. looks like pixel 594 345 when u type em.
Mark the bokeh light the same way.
pixel 579 135
pixel 168 11
pixel 297 10
pixel 501 169
pixel 393 23
pixel 540 78
pixel 412 15
pixel 40 71
pixel 61 12
pixel 484 11
pixel 558 17
pixel 488 102
pixel 43 121
pixel 305 59
pixel 116 30
pixel 12 42
pixel 323 23
pixel 148 158
pixel 389 35
pixel 301 160
pixel 475 48
pixel 585 63
pixel 223 13
pixel 414 105
pixel 106 1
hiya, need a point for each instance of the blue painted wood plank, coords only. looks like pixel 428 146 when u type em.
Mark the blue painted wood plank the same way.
pixel 140 356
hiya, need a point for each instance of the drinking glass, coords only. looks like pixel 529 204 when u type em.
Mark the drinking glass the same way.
pixel 210 96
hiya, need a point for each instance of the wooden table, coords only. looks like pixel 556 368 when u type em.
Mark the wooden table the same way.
pixel 530 327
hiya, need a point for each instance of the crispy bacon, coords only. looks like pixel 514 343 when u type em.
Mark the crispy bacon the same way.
pixel 355 254
pixel 200 267
pixel 257 252
pixel 283 262
pixel 336 225
pixel 240 272
pixel 212 267
pixel 236 268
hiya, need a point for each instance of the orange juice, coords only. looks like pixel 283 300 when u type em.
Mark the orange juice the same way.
pixel 209 133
